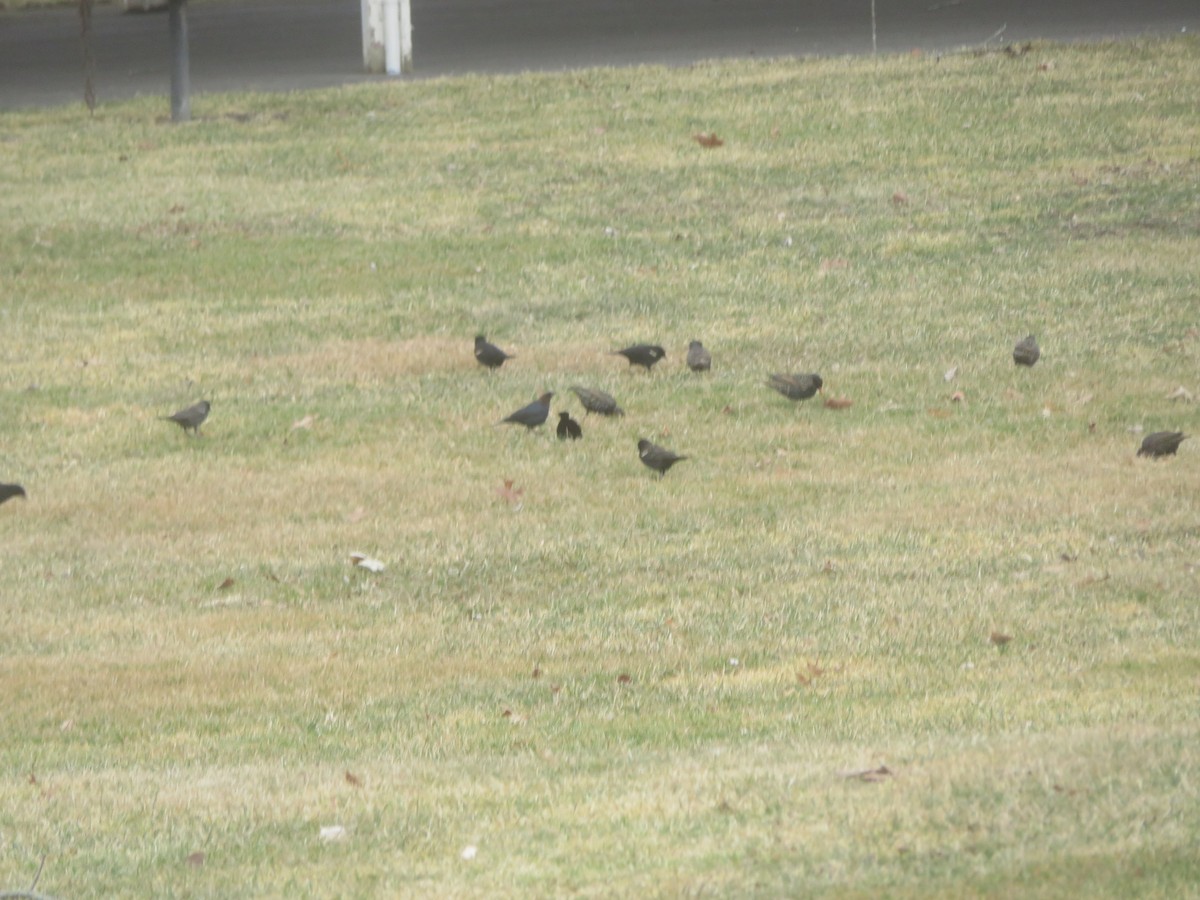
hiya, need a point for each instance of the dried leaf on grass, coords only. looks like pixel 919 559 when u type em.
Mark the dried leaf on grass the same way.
pixel 838 403
pixel 352 779
pixel 510 492
pixel 362 561
pixel 707 139
pixel 868 775
pixel 809 674
pixel 226 584
pixel 999 638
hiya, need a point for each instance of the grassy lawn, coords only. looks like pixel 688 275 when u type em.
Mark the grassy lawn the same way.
pixel 599 682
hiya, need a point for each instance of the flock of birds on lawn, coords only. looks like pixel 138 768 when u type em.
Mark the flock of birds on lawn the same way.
pixel 795 387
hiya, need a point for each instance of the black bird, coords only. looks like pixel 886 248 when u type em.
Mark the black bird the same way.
pixel 489 354
pixel 595 401
pixel 698 359
pixel 8 491
pixel 534 414
pixel 644 355
pixel 1026 352
pixel 658 458
pixel 1161 443
pixel 191 417
pixel 796 387
pixel 568 427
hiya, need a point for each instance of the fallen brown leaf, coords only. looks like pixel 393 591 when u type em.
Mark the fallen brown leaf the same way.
pixel 707 139
pixel 999 639
pixel 353 779
pixel 624 678
pixel 958 397
pixel 811 672
pixel 226 584
pixel 510 492
pixel 838 403
pixel 869 775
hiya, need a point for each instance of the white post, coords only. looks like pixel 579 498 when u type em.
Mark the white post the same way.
pixel 372 31
pixel 406 63
pixel 391 36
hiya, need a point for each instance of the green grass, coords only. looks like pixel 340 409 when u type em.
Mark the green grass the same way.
pixel 620 685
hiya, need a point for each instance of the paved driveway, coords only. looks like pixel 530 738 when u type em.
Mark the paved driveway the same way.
pixel 294 44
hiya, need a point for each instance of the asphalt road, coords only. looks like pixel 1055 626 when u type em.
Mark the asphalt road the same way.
pixel 276 45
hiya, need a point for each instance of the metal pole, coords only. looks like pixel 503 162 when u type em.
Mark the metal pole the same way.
pixel 181 103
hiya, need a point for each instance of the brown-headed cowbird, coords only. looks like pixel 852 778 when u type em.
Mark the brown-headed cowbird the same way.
pixel 1161 443
pixel 568 427
pixel 8 491
pixel 533 415
pixel 644 355
pixel 1026 352
pixel 698 359
pixel 657 458
pixel 189 419
pixel 796 387
pixel 596 401
pixel 489 355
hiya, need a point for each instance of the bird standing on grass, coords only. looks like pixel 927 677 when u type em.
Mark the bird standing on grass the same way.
pixel 1026 352
pixel 698 359
pixel 1161 443
pixel 796 387
pixel 568 427
pixel 190 419
pixel 533 415
pixel 596 401
pixel 489 355
pixel 8 491
pixel 644 355
pixel 660 459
